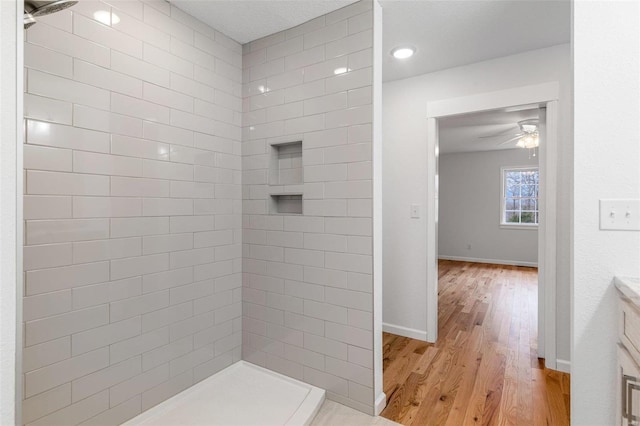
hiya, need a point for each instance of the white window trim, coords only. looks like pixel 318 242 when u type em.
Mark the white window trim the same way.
pixel 519 226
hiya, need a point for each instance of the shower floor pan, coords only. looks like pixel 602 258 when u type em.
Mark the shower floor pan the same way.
pixel 241 394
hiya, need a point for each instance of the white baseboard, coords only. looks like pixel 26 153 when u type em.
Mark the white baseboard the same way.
pixel 381 402
pixel 563 365
pixel 405 331
pixel 494 261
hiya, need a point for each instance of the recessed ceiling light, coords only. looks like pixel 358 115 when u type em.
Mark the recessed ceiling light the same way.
pixel 403 52
pixel 341 70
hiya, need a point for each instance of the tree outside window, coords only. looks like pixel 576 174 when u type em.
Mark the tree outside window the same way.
pixel 520 188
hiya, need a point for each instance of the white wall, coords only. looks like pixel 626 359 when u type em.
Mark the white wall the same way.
pixel 9 179
pixel 404 183
pixel 469 203
pixel 607 165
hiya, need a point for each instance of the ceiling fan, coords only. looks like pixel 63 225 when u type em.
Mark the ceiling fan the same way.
pixel 527 134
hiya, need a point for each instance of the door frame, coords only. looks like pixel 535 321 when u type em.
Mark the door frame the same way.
pixel 11 224
pixel 542 95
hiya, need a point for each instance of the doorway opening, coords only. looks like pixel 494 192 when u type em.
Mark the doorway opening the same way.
pixel 487 219
pixel 544 97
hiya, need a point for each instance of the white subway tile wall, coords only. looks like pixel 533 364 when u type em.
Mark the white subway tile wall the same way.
pixel 133 209
pixel 307 279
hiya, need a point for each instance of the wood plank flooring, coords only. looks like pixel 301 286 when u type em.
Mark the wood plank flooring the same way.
pixel 484 368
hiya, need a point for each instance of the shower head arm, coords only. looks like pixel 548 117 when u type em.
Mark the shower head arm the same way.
pixel 33 9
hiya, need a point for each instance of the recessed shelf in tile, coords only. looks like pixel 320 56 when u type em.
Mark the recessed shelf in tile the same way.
pixel 286 164
pixel 286 203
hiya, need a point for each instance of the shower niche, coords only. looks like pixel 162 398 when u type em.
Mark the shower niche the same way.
pixel 286 178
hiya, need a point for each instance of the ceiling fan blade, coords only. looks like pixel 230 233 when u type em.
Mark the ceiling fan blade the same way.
pixel 511 140
pixel 504 132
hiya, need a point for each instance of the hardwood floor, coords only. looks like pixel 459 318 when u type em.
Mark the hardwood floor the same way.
pixel 484 367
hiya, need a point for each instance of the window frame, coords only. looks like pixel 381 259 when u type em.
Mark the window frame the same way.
pixel 509 225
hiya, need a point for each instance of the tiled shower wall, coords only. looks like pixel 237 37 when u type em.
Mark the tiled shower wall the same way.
pixel 307 278
pixel 132 209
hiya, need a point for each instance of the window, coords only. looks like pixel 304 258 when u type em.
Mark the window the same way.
pixel 519 196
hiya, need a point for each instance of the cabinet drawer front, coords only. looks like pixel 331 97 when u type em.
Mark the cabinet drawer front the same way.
pixel 630 327
pixel 628 412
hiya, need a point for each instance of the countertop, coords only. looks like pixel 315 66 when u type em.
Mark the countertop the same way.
pixel 630 288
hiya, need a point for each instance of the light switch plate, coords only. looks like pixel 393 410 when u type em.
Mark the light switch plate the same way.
pixel 620 215
pixel 415 211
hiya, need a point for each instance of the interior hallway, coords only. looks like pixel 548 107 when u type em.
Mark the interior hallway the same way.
pixel 484 368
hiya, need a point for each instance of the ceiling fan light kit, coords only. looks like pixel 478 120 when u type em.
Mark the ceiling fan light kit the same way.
pixel 529 140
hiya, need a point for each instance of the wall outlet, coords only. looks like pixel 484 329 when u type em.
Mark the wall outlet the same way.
pixel 620 215
pixel 468 246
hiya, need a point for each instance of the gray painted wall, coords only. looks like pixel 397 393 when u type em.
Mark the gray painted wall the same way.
pixel 470 192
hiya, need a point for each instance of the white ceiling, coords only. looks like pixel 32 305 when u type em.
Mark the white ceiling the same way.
pixel 464 133
pixel 248 20
pixel 446 33
pixel 453 33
